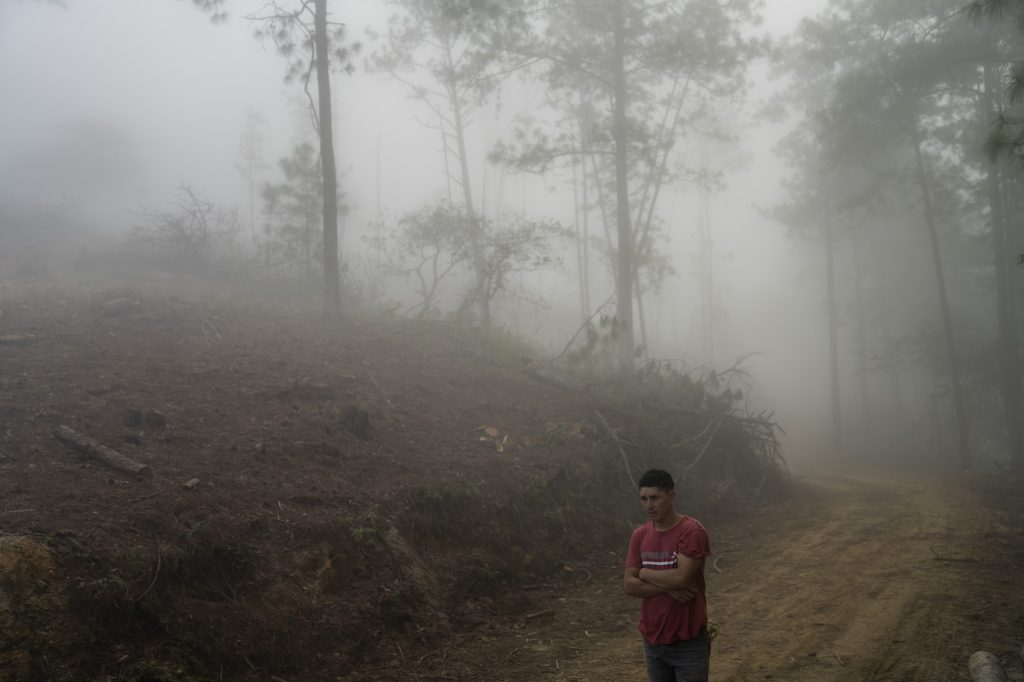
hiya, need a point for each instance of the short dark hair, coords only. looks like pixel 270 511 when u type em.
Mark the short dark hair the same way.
pixel 657 478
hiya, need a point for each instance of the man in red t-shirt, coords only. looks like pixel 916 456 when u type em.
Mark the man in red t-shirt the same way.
pixel 665 568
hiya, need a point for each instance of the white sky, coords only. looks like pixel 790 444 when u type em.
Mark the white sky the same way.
pixel 179 86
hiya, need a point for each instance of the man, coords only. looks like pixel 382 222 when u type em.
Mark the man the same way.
pixel 665 568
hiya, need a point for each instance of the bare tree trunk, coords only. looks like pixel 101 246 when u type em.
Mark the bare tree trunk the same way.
pixel 252 206
pixel 833 328
pixel 895 413
pixel 332 281
pixel 606 220
pixel 640 314
pixel 706 274
pixel 580 244
pixel 586 227
pixel 1009 355
pixel 1009 360
pixel 624 283
pixel 476 226
pixel 867 428
pixel 648 201
pixel 447 166
pixel 963 446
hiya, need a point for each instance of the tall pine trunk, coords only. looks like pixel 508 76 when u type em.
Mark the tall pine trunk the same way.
pixel 624 282
pixel 476 225
pixel 641 315
pixel 479 295
pixel 586 230
pixel 833 328
pixel 867 426
pixel 963 427
pixel 332 282
pixel 707 279
pixel 1009 344
pixel 582 229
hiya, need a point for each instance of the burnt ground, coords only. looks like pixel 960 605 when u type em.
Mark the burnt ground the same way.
pixel 387 499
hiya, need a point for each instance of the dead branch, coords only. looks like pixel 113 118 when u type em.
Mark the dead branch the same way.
pixel 583 326
pixel 703 450
pixel 537 614
pixel 98 451
pixel 194 228
pixel 967 560
pixel 737 367
pixel 156 574
pixel 696 439
pixel 210 331
pixel 147 497
pixel 762 420
pixel 625 458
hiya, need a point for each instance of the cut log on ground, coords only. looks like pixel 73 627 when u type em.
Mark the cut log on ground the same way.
pixel 98 451
pixel 985 667
pixel 16 339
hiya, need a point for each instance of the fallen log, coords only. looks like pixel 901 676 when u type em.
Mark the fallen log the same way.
pixel 985 667
pixel 16 339
pixel 538 614
pixel 97 450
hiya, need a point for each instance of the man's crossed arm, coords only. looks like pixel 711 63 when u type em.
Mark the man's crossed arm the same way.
pixel 646 582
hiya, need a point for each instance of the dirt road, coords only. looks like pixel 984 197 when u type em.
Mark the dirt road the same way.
pixel 857 578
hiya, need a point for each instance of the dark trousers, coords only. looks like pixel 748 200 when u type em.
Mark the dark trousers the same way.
pixel 688 660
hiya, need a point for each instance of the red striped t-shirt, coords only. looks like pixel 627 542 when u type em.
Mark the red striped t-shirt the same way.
pixel 663 620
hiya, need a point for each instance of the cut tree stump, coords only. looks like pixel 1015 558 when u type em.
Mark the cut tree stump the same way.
pixel 356 420
pixel 985 667
pixel 97 450
pixel 150 418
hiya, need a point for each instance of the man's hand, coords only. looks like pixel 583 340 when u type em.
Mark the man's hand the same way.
pixel 633 586
pixel 683 596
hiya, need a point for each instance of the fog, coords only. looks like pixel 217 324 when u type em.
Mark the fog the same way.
pixel 110 106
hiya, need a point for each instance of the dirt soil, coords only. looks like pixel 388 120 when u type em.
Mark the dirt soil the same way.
pixel 337 502
pixel 880 577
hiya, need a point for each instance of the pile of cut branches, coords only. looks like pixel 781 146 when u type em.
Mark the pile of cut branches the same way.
pixel 697 424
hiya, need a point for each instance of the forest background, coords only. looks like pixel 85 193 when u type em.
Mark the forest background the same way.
pixel 121 106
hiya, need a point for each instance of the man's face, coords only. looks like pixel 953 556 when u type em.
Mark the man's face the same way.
pixel 657 503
